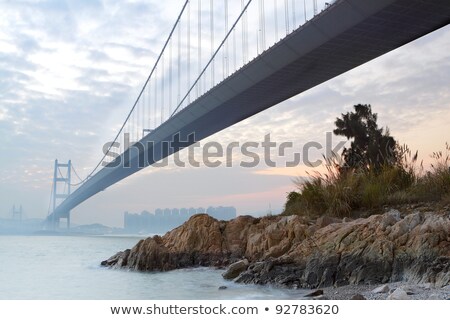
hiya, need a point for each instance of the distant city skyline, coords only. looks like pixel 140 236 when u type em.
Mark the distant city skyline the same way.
pixel 163 220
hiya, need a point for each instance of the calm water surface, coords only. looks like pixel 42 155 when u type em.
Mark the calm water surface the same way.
pixel 68 267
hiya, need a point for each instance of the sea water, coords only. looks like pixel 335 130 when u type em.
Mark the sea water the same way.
pixel 68 267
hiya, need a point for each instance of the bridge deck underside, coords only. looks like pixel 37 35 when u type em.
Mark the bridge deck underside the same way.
pixel 350 33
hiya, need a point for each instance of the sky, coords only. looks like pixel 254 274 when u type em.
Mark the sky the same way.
pixel 70 71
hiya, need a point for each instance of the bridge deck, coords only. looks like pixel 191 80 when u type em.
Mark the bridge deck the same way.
pixel 346 35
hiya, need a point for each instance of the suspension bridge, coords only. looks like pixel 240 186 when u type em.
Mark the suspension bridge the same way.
pixel 224 61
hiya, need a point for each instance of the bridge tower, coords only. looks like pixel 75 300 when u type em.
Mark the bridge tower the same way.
pixel 61 178
pixel 17 213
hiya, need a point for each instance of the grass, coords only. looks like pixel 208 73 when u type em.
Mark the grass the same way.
pixel 341 193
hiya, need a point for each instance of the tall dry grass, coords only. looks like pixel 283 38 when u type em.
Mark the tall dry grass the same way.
pixel 341 192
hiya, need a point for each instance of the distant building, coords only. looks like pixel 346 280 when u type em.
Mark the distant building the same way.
pixel 164 220
pixel 201 210
pixel 211 211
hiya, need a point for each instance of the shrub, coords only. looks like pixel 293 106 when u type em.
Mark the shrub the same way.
pixel 340 192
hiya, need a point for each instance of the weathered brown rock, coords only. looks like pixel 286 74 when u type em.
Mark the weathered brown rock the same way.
pixel 293 252
pixel 235 269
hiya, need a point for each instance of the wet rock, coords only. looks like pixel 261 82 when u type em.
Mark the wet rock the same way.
pixel 315 293
pixel 118 260
pixel 235 269
pixel 410 290
pixel 398 294
pixel 223 287
pixel 281 273
pixel 381 289
pixel 358 296
pixel 321 297
pixel 427 285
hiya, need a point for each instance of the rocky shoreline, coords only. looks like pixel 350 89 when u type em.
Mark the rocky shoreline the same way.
pixel 395 247
pixel 389 291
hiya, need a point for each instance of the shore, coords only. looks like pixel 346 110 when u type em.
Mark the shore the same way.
pixel 411 292
pixel 408 249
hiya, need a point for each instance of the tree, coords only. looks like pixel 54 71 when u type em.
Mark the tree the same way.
pixel 371 147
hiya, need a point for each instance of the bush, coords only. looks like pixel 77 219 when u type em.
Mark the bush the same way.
pixel 341 192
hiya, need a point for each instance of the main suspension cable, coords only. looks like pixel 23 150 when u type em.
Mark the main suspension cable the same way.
pixel 140 94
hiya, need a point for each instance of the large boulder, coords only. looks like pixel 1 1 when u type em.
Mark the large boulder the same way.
pixel 235 269
pixel 398 294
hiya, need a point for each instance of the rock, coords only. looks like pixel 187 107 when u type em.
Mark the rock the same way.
pixel 395 214
pixel 321 297
pixel 235 269
pixel 358 296
pixel 398 294
pixel 223 287
pixel 434 296
pixel 326 220
pixel 295 252
pixel 410 290
pixel 118 260
pixel 381 289
pixel 427 285
pixel 315 293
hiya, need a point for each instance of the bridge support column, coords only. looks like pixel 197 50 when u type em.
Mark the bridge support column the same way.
pixel 68 221
pixel 55 223
pixel 64 179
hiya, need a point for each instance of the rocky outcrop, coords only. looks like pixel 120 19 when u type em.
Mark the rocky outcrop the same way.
pixel 295 252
